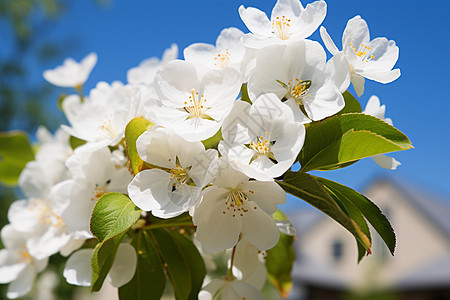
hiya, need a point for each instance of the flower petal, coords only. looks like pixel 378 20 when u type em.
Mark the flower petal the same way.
pixel 266 194
pixel 78 269
pixel 386 162
pixel 217 228
pixel 255 20
pixel 22 284
pixel 10 266
pixel 326 38
pixel 149 189
pixel 124 265
pixel 259 228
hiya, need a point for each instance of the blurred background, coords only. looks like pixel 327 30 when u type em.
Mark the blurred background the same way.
pixel 37 35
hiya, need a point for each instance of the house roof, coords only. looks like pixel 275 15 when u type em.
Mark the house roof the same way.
pixel 435 208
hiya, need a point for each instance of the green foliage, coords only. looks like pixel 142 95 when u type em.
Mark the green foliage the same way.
pixel 213 142
pixel 15 152
pixel 176 265
pixel 113 215
pixel 344 139
pixel 370 211
pixel 244 94
pixel 149 280
pixel 279 261
pixel 308 188
pixel 194 261
pixel 134 129
pixel 351 104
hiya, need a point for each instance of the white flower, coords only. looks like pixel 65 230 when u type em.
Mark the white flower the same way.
pixel 53 152
pixel 145 72
pixel 289 20
pixel 78 270
pixel 374 108
pixel 40 214
pixel 371 59
pixel 71 73
pixel 299 75
pixel 101 118
pixel 228 52
pixel 230 290
pixel 180 171
pixel 94 174
pixel 17 266
pixel 194 107
pixel 234 205
pixel 261 140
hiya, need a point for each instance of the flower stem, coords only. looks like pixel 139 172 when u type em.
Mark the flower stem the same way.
pixel 230 276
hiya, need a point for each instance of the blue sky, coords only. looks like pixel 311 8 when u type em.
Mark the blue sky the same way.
pixel 126 32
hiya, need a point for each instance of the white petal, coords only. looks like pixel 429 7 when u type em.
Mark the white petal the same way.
pixel 11 238
pixel 124 265
pixel 77 214
pixel 78 269
pixel 245 258
pixel 72 245
pixel 374 108
pixel 216 230
pixel 230 38
pixel 259 228
pixel 22 284
pixel 310 19
pixel 49 243
pixel 149 189
pixel 155 148
pixel 233 128
pixel 255 20
pixel 200 53
pixel 247 291
pixel 358 84
pixel 10 266
pixel 288 8
pixel 356 32
pixel 326 102
pixel 338 69
pixel 331 46
pixel 386 162
pixel 33 180
pixel 266 194
pixel 382 77
pixel 26 215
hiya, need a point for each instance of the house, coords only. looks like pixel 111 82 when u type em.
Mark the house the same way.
pixel 327 268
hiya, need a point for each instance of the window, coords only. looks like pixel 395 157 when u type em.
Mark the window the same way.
pixel 337 250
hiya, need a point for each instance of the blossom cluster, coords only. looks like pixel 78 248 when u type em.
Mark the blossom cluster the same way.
pixel 252 92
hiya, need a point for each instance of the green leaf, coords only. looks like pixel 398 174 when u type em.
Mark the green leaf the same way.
pixel 370 211
pixel 102 260
pixel 113 215
pixel 149 280
pixel 194 261
pixel 351 104
pixel 15 152
pixel 279 260
pixel 244 94
pixel 344 139
pixel 213 141
pixel 134 129
pixel 76 142
pixel 353 212
pixel 176 266
pixel 308 188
